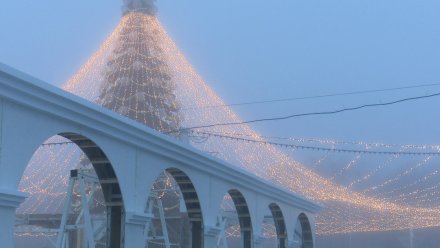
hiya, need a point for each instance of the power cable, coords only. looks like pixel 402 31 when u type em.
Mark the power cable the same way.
pixel 317 96
pixel 309 114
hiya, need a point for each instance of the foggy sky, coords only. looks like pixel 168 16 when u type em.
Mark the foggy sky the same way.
pixel 251 50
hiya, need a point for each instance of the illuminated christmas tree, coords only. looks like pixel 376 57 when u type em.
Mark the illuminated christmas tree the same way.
pixel 138 82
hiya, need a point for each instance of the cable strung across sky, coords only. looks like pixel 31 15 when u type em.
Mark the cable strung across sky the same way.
pixel 325 95
pixel 312 113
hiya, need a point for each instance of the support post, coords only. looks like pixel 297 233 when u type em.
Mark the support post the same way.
pixel 150 227
pixel 86 229
pixel 222 239
pixel 87 218
pixel 164 224
pixel 62 235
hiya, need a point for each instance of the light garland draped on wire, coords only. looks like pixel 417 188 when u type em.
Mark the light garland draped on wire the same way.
pixel 367 212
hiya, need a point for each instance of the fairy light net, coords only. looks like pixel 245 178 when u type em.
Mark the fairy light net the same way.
pixel 139 72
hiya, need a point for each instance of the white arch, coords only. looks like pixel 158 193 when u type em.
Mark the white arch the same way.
pixel 31 111
pixel 280 225
pixel 111 190
pixel 307 236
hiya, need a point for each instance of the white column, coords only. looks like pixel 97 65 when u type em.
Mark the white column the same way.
pixel 292 244
pixel 134 229
pixel 9 202
pixel 211 236
pixel 258 241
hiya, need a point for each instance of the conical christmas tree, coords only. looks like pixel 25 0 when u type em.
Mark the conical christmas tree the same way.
pixel 138 84
pixel 138 81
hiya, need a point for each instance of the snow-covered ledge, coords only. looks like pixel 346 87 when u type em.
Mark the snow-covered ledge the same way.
pixel 212 231
pixel 258 240
pixel 11 198
pixel 138 218
pixel 212 236
pixel 135 223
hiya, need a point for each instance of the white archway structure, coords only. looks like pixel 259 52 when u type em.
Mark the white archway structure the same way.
pixel 131 156
pixel 304 232
pixel 280 225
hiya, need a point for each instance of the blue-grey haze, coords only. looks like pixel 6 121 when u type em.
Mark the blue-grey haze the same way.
pixel 256 50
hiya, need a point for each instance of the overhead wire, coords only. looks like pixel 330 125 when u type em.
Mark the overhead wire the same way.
pixel 360 92
pixel 309 114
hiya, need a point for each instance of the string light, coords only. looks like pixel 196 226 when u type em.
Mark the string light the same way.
pixel 269 160
pixel 316 148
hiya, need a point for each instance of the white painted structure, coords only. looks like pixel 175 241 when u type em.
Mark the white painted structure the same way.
pixel 128 157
